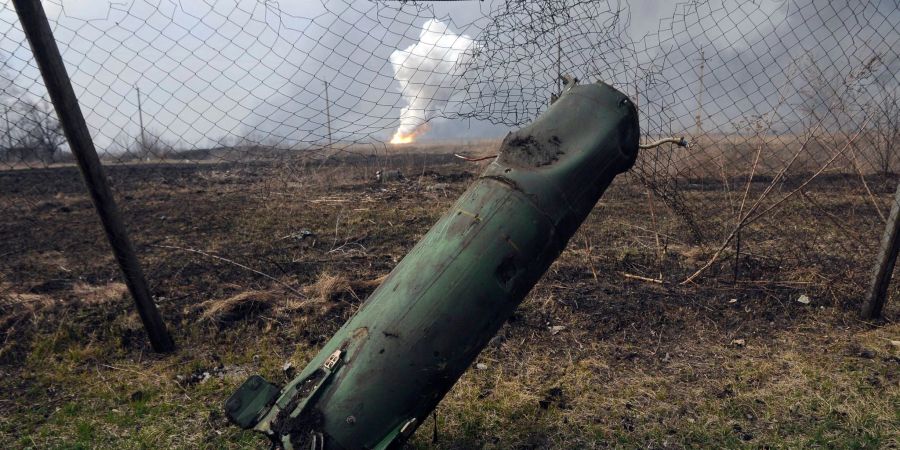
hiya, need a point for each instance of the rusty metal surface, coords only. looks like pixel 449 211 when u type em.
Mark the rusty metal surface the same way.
pixel 423 327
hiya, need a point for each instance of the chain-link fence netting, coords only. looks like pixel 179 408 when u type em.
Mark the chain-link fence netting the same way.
pixel 791 108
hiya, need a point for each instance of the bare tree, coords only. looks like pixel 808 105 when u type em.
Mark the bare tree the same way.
pixel 9 94
pixel 122 146
pixel 886 132
pixel 827 98
pixel 153 146
pixel 39 131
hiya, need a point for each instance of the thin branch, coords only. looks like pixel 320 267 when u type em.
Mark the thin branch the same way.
pixel 753 168
pixel 466 158
pixel 819 172
pixel 640 278
pixel 587 245
pixel 679 141
pixel 862 178
pixel 742 220
pixel 659 250
pixel 748 219
pixel 209 255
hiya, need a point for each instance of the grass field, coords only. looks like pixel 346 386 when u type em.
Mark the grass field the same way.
pixel 597 355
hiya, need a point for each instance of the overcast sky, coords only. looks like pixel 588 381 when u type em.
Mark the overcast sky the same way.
pixel 209 70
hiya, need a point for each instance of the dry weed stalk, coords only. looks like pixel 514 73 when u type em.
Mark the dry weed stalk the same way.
pixel 590 258
pixel 209 255
pixel 862 178
pixel 328 286
pixel 326 289
pixel 232 308
pixel 751 217
pixel 642 278
pixel 659 250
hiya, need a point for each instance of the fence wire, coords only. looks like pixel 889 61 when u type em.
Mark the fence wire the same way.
pixel 791 108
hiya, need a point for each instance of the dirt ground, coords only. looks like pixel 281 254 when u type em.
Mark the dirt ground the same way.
pixel 256 265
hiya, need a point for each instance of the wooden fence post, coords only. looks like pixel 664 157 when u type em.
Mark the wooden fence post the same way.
pixel 37 29
pixel 884 267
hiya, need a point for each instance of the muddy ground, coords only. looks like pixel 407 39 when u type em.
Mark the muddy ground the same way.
pixel 256 265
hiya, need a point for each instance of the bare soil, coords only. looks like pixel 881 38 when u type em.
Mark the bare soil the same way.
pixel 764 349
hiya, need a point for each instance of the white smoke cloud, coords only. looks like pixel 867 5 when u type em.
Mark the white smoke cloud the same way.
pixel 430 73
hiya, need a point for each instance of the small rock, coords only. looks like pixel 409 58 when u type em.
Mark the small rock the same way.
pixel 437 187
pixel 301 235
pixel 288 369
pixel 727 392
pixel 803 299
pixel 496 341
pixel 734 300
pixel 481 366
pixel 895 343
pixel 556 329
pixel 738 342
pixel 553 396
pixel 485 393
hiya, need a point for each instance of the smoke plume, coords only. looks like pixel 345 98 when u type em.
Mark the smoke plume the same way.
pixel 429 73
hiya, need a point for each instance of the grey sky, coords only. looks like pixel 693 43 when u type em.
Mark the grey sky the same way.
pixel 237 68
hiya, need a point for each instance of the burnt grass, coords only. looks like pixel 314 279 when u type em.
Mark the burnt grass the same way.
pixel 598 355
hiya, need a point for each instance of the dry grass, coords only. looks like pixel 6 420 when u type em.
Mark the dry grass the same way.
pixel 321 297
pixel 797 390
pixel 635 364
pixel 240 306
pixel 95 295
pixel 329 287
pixel 714 156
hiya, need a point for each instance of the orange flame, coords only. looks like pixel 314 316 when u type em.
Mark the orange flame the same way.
pixel 409 138
pixel 400 138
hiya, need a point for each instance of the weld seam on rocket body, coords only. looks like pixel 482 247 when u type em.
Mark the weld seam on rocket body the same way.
pixel 516 188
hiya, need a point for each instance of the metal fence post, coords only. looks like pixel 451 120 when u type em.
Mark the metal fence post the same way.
pixel 884 267
pixel 43 45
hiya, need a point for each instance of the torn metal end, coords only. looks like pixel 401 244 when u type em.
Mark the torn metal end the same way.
pixel 246 407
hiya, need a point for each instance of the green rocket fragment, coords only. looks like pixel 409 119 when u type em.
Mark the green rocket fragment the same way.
pixel 387 368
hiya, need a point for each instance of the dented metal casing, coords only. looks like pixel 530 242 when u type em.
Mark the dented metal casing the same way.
pixel 387 368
